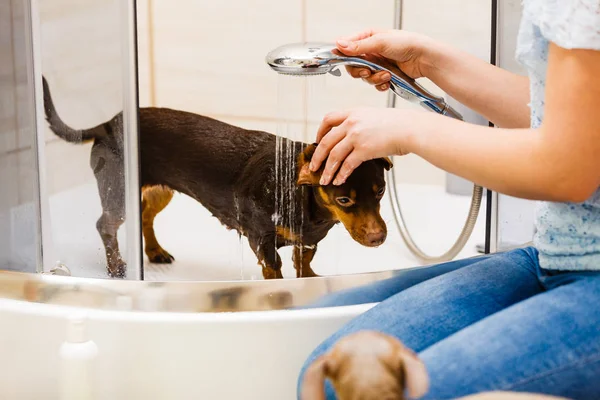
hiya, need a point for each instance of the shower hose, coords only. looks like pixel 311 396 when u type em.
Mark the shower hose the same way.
pixel 467 229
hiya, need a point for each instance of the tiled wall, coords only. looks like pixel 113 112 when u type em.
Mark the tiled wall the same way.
pixel 81 58
pixel 208 57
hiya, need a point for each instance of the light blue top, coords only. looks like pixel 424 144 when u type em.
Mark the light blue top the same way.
pixel 567 234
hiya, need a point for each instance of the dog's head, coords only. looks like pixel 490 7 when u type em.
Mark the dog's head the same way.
pixel 367 365
pixel 354 203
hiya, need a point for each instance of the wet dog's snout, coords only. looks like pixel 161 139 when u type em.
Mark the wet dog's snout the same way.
pixel 372 232
pixel 376 237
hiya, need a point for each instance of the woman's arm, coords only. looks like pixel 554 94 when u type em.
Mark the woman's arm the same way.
pixel 499 95
pixel 560 161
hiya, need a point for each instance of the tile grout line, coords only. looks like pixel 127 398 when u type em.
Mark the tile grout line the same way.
pixel 14 71
pixel 17 136
pixel 305 84
pixel 151 56
pixel 265 119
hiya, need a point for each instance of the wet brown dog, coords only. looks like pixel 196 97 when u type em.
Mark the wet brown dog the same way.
pixel 367 366
pixel 232 172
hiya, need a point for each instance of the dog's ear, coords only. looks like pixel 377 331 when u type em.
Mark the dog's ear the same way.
pixel 387 163
pixel 313 383
pixel 305 175
pixel 413 372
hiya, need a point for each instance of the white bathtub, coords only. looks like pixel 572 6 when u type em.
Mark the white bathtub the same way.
pixel 166 355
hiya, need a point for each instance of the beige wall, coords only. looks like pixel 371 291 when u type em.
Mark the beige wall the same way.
pixel 80 46
pixel 208 57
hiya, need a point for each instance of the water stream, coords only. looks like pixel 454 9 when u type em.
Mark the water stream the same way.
pixel 296 98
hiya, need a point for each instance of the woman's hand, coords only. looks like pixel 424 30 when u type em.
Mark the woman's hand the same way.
pixel 499 95
pixel 349 138
pixel 405 50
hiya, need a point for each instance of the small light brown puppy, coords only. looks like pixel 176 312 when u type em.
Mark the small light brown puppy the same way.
pixel 367 366
pixel 370 365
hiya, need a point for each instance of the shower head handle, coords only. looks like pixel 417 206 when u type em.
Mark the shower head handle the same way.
pixel 321 58
pixel 400 83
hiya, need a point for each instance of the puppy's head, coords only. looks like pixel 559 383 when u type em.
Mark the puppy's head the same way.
pixel 367 366
pixel 354 203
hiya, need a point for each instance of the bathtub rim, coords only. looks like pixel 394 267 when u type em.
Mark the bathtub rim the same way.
pixel 179 296
pixel 137 316
pixel 183 296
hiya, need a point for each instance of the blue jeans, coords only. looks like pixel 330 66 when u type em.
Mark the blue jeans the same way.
pixel 496 322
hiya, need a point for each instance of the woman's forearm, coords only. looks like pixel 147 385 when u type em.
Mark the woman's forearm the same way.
pixel 516 162
pixel 500 96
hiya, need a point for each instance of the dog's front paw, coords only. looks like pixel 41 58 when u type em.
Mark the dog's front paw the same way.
pixel 270 273
pixel 159 256
pixel 117 269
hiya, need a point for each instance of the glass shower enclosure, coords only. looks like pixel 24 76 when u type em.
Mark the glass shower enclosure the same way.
pixel 88 54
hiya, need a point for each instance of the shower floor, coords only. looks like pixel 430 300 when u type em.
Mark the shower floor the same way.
pixel 205 250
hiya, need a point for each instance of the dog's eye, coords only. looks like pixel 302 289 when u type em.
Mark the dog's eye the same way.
pixel 380 192
pixel 344 201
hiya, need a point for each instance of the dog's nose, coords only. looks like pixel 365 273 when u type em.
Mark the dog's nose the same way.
pixel 376 238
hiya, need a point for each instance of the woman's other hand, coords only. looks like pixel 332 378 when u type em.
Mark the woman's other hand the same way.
pixel 348 138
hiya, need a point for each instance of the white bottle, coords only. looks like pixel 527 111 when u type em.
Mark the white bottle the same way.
pixel 77 356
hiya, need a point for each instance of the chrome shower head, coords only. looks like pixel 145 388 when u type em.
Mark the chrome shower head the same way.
pixel 305 59
pixel 321 58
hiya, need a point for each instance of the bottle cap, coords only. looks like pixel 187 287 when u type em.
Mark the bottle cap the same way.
pixel 76 328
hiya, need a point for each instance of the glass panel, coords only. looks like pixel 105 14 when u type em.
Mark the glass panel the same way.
pixel 86 57
pixel 19 248
pixel 515 216
pixel 215 68
pixel 182 66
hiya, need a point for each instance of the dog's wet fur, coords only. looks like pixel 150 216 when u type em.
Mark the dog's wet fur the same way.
pixel 231 172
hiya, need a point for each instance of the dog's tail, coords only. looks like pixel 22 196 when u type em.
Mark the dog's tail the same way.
pixel 64 131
